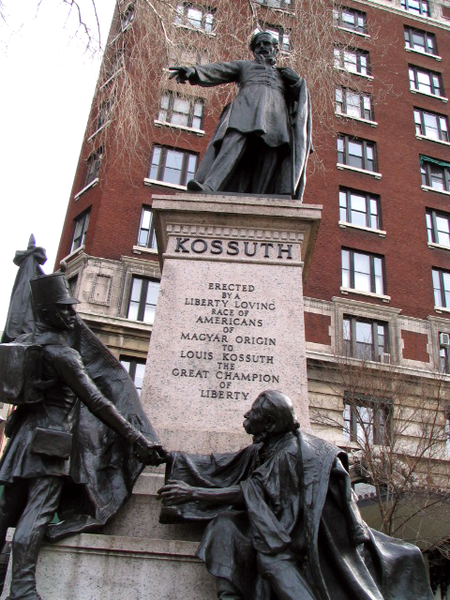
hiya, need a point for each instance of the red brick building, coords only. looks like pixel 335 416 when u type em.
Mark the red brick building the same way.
pixel 378 289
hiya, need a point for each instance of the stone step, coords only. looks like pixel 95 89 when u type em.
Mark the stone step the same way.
pixel 109 567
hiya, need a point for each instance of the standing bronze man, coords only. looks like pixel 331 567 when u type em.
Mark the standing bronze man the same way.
pixel 60 456
pixel 263 139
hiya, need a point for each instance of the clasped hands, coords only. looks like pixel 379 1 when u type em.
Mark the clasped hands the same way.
pixel 150 453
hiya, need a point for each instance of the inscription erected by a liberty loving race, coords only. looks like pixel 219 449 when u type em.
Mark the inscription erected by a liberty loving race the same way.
pixel 226 341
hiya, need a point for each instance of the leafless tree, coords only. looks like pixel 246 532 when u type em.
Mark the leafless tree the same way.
pixel 394 426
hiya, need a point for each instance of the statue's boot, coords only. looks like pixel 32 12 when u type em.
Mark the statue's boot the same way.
pixel 43 500
pixel 227 591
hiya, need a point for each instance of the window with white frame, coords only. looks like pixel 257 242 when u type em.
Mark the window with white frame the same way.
pixel 362 272
pixel 80 230
pixel 172 166
pixel 143 297
pixel 356 152
pixel 93 166
pixel 352 60
pixel 441 287
pixel 127 17
pixel 364 338
pixel 181 110
pixel 418 7
pixel 282 34
pixel 354 104
pixel 146 236
pixel 359 208
pixel 438 227
pixel 135 367
pixel 286 4
pixel 104 112
pixel 425 81
pixel 420 41
pixel 444 352
pixel 435 173
pixel 195 16
pixel 367 421
pixel 350 18
pixel 431 125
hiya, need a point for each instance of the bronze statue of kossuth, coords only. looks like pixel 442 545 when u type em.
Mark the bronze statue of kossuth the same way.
pixel 284 523
pixel 263 138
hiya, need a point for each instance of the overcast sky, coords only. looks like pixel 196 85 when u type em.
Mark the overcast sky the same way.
pixel 48 83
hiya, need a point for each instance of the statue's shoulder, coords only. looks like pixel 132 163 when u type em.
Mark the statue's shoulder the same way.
pixel 316 445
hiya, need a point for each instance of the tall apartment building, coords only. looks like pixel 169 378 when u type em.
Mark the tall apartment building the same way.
pixel 378 288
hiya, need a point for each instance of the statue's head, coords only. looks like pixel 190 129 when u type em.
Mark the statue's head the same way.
pixel 271 412
pixel 265 46
pixel 52 302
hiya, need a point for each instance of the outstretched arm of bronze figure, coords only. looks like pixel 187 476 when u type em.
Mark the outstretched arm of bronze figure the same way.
pixel 177 492
pixel 181 73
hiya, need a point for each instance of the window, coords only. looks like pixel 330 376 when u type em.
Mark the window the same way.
pixel 179 110
pixel 359 208
pixel 127 17
pixel 114 63
pixel 135 368
pixel 362 272
pixel 431 125
pixel 420 41
pixel 196 16
pixel 349 18
pixel 354 104
pixel 93 166
pixel 364 338
pixel 355 152
pixel 444 353
pixel 281 34
pixel 425 81
pixel 143 297
pixel 352 60
pixel 435 173
pixel 172 166
pixel 147 237
pixel 286 4
pixel 438 227
pixel 441 287
pixel 367 420
pixel 419 7
pixel 81 227
pixel 104 112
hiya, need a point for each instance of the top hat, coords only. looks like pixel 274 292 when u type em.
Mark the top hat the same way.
pixel 48 290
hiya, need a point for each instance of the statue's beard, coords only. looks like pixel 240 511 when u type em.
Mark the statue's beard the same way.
pixel 265 60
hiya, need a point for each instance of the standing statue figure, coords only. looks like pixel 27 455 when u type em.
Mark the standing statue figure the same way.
pixel 263 139
pixel 71 449
pixel 285 524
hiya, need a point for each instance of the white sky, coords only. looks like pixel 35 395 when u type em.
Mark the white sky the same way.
pixel 48 83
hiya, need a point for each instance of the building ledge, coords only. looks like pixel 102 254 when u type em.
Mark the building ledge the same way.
pixel 90 138
pixel 442 309
pixel 370 77
pixel 145 250
pixel 441 98
pixel 353 32
pixel 174 186
pixel 344 225
pixel 433 245
pixel 343 167
pixel 199 132
pixel 87 187
pixel 358 119
pixel 435 56
pixel 382 297
pixel 428 139
pixel 428 188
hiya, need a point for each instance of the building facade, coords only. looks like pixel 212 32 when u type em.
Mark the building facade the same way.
pixel 378 289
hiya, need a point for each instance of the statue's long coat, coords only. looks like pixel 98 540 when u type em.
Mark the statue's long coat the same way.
pixel 266 107
pixel 298 499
